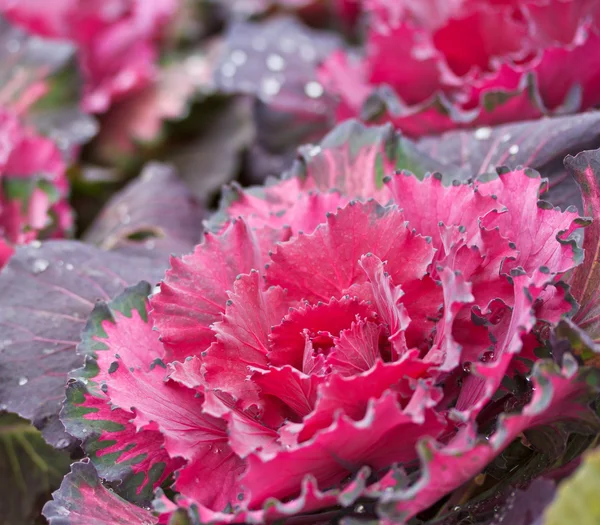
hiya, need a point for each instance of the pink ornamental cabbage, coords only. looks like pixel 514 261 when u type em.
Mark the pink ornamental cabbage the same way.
pixel 33 186
pixel 434 65
pixel 315 346
pixel 116 40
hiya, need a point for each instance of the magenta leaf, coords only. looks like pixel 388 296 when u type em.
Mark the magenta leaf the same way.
pixel 384 435
pixel 145 420
pixel 336 246
pixel 585 281
pixel 135 461
pixel 154 216
pixel 194 291
pixel 559 395
pixel 46 293
pixel 353 159
pixel 83 500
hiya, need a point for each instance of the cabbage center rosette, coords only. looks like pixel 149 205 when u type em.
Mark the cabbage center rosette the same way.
pixel 315 346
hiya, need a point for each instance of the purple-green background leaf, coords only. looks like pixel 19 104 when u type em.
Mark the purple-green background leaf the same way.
pixel 540 144
pixel 153 216
pixel 47 292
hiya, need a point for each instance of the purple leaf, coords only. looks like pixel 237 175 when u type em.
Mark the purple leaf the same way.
pixel 46 293
pixel 276 62
pixel 525 507
pixel 538 144
pixel 154 215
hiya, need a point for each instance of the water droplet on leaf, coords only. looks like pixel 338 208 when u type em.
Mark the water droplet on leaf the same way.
pixel 238 57
pixel 313 89
pixel 275 62
pixel 483 133
pixel 40 265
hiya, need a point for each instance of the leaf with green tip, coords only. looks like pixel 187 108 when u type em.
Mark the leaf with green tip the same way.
pixel 352 160
pixel 355 159
pixel 29 468
pixel 134 460
pixel 585 281
pixel 83 500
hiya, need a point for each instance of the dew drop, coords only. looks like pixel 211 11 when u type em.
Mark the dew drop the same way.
pixel 270 86
pixel 238 57
pixel 35 244
pixel 514 149
pixel 125 219
pixel 62 443
pixel 40 265
pixel 69 266
pixel 483 133
pixel 467 367
pixel 360 509
pixel 228 69
pixel 506 137
pixel 313 89
pixel 487 357
pixel 47 351
pixel 275 62
pixel 23 381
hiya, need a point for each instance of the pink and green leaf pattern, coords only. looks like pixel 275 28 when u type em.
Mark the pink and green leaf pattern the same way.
pixel 83 500
pixel 134 459
pixel 300 371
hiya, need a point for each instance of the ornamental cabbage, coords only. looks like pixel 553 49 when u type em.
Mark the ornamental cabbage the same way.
pixel 342 343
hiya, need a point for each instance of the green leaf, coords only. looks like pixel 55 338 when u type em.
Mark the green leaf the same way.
pixel 577 498
pixel 30 470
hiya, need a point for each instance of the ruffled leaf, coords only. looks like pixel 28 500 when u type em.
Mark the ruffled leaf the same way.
pixel 559 395
pixel 384 435
pixel 194 292
pixel 335 247
pixel 585 281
